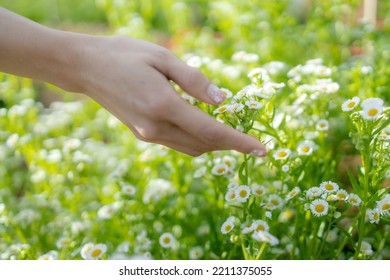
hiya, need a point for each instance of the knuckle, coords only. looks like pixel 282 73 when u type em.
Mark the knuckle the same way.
pixel 150 134
pixel 162 54
pixel 159 108
pixel 210 136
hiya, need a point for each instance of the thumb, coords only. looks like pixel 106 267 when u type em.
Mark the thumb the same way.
pixel 193 81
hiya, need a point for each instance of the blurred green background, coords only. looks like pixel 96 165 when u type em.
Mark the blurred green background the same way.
pixel 56 12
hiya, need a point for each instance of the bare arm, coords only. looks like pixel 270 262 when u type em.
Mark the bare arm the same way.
pixel 127 76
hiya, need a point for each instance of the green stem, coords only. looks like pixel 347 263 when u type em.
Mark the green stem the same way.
pixel 261 250
pixel 367 178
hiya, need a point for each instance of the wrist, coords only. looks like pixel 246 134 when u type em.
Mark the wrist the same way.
pixel 64 62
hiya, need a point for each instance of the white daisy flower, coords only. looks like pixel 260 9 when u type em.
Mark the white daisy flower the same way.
pixel 167 240
pixel 294 192
pixel 229 161
pixel 329 186
pixel 107 211
pixel 332 236
pixel 196 253
pixel 260 225
pixel 220 169
pixel 341 195
pixel 354 199
pixel 268 215
pixel 274 202
pixel 231 195
pixel 247 227
pixel 366 248
pixel 233 184
pixel 314 192
pixel 143 241
pixel 227 226
pixel 319 207
pixel 374 215
pixel 242 193
pixel 350 104
pixel 253 104
pixel 236 107
pixel 322 125
pixel 63 242
pixel 258 75
pixel 370 101
pixel 265 236
pixel 384 205
pixel 221 109
pixel 258 190
pixel 306 147
pixel 128 189
pixel 52 255
pixel 371 112
pixel 226 92
pixel 282 154
pixel 322 71
pixel 92 251
pixel 200 172
pixel 269 89
pixel 372 108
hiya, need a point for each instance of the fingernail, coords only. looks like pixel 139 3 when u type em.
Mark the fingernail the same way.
pixel 258 153
pixel 216 94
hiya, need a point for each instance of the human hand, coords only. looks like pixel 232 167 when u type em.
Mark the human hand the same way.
pixel 130 78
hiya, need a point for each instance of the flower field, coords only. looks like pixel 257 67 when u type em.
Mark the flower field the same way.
pixel 311 80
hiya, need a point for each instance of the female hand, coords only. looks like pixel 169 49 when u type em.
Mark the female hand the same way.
pixel 129 77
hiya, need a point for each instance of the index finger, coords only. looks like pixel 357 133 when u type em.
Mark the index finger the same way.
pixel 214 133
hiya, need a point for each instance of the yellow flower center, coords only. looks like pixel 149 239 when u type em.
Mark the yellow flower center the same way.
pixel 293 193
pixel 221 170
pixel 222 110
pixel 319 208
pixel 386 207
pixel 259 191
pixel 95 253
pixel 372 112
pixel 282 154
pixel 260 228
pixel 243 193
pixel 341 196
pixel 351 104
pixel 166 240
pixel 376 216
pixel 306 149
pixel 275 202
pixel 232 196
pixel 329 187
pixel 228 228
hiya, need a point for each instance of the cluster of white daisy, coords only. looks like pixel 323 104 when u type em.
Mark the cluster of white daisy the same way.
pixel 382 209
pixel 318 199
pixel 304 148
pixel 371 108
pixel 220 165
pixel 243 107
pixel 258 229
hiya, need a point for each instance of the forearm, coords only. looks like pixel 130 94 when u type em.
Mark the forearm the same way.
pixel 31 50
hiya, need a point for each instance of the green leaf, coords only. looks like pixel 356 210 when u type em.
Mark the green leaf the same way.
pixel 356 186
pixel 382 126
pixel 241 172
